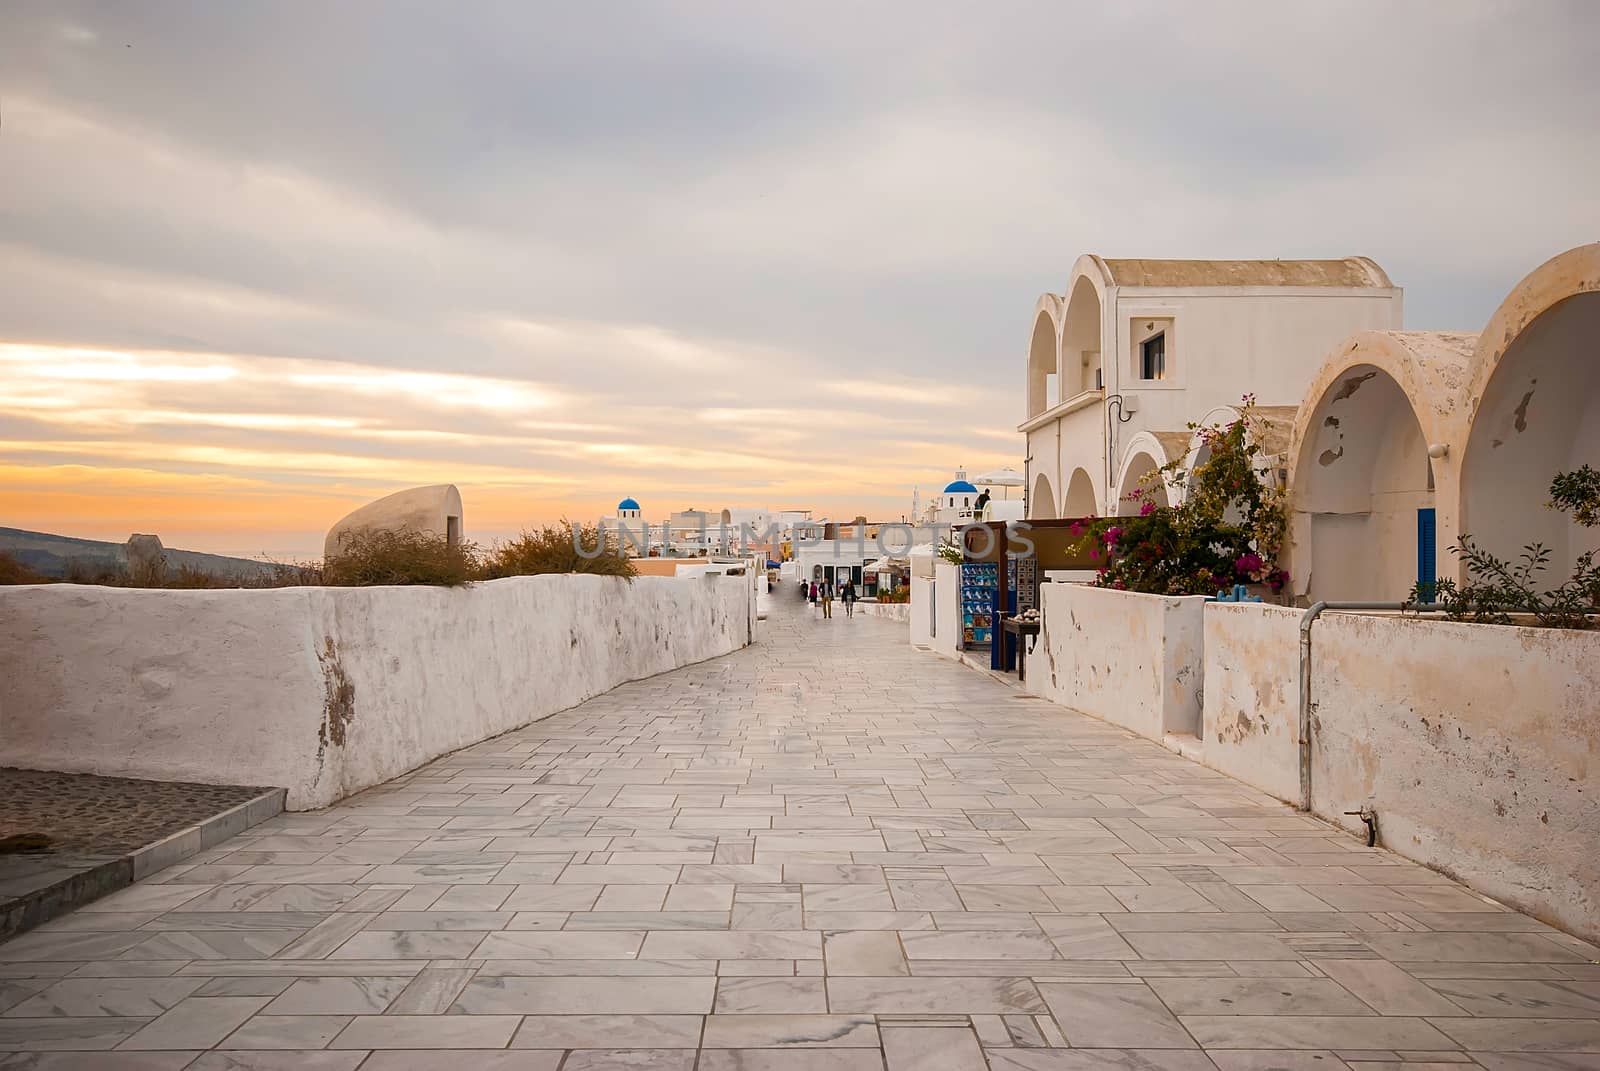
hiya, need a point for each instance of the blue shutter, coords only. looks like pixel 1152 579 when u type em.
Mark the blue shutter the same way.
pixel 1427 552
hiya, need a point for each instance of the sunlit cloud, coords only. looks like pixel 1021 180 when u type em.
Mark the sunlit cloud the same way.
pixel 467 392
pixel 254 278
pixel 905 391
pixel 328 435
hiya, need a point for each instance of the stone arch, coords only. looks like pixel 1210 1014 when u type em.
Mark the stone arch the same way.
pixel 1199 452
pixel 1369 504
pixel 1146 453
pixel 1271 429
pixel 1081 500
pixel 1138 472
pixel 1533 402
pixel 1044 357
pixel 1042 503
pixel 1082 331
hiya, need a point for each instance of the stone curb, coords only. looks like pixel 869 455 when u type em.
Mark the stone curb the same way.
pixel 40 905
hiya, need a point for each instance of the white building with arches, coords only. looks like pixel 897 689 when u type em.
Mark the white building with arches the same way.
pixel 1406 440
pixel 1135 350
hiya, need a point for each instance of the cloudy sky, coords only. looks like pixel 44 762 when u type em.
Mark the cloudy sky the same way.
pixel 260 262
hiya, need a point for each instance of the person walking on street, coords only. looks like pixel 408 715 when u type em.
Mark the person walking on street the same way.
pixel 827 599
pixel 812 599
pixel 847 595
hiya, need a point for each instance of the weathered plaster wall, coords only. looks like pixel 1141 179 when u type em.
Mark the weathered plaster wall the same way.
pixel 1135 660
pixel 326 691
pixel 1478 745
pixel 1252 688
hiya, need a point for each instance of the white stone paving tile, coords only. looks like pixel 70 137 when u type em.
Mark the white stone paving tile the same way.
pixel 822 853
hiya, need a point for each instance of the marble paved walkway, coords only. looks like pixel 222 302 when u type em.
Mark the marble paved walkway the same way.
pixel 829 851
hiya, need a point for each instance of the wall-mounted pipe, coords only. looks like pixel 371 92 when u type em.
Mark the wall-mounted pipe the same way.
pixel 1307 705
pixel 1308 619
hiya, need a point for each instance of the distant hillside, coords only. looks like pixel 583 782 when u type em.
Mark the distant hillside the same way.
pixel 49 554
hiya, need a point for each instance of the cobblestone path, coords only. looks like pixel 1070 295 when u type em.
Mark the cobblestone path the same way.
pixel 829 851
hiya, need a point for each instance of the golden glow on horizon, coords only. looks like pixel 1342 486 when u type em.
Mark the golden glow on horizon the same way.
pixel 250 454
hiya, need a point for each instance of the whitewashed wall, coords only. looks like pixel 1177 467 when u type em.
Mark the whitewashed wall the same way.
pixel 1252 695
pixel 922 618
pixel 894 611
pixel 326 691
pixel 1478 745
pixel 947 608
pixel 1134 660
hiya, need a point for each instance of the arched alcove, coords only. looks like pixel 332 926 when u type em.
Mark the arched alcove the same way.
pixel 1365 484
pixel 1139 474
pixel 1538 414
pixel 1042 503
pixel 1080 339
pixel 1081 500
pixel 1044 381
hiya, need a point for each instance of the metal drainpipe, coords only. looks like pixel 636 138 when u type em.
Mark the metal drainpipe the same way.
pixel 1308 619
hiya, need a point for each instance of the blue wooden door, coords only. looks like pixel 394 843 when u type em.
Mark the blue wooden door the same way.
pixel 1427 552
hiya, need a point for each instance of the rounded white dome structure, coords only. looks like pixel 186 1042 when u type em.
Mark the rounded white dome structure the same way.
pixel 435 509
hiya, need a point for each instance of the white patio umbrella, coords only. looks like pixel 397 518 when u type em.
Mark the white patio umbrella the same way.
pixel 1006 477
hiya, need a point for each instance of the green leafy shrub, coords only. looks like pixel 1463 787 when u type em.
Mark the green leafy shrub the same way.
pixel 554 549
pixel 895 595
pixel 1577 493
pixel 1496 589
pixel 372 557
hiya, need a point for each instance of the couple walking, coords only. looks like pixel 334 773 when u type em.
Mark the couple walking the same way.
pixel 822 593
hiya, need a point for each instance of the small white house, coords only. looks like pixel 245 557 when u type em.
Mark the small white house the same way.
pixel 857 552
pixel 1135 350
pixel 956 502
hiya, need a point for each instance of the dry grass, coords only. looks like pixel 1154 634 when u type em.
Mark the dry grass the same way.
pixel 368 558
pixel 373 557
pixel 553 549
pixel 151 574
pixel 14 572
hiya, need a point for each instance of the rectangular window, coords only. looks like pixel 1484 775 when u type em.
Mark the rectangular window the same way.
pixel 1153 357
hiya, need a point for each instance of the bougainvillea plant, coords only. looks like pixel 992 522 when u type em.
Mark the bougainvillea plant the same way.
pixel 1228 529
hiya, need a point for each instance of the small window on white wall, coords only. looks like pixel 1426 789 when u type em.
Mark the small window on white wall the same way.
pixel 1153 357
